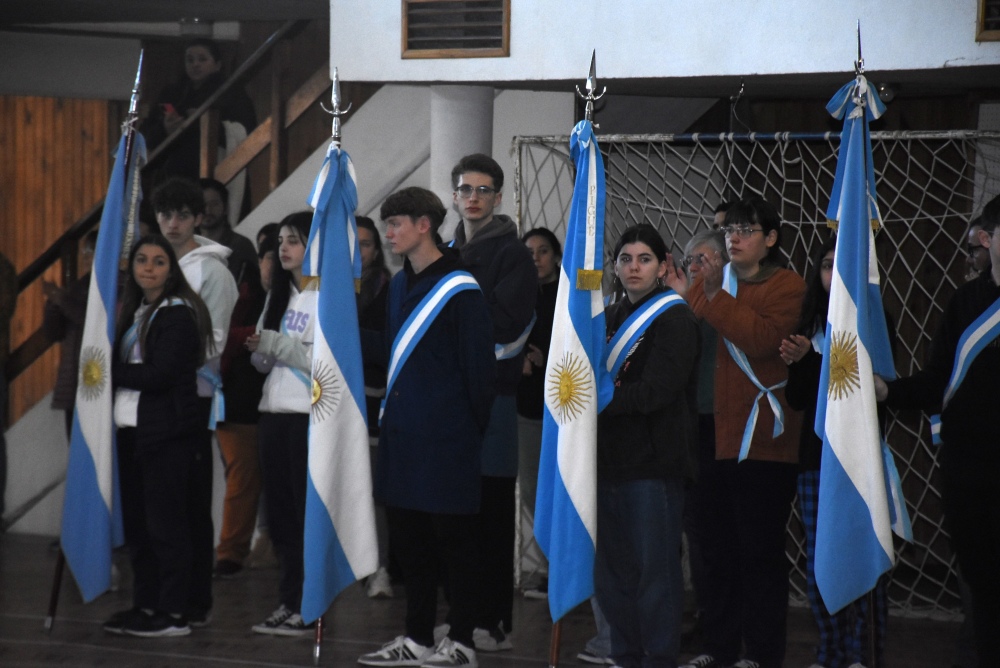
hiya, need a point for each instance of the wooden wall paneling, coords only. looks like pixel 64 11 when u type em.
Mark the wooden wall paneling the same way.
pixel 57 160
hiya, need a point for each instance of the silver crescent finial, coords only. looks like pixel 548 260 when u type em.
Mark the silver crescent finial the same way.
pixel 336 111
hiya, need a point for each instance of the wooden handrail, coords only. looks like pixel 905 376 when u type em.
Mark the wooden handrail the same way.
pixel 66 245
pixel 303 99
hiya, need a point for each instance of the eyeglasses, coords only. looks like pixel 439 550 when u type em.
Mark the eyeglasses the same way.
pixel 465 192
pixel 739 231
pixel 693 259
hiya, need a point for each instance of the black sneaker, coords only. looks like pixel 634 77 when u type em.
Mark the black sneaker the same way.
pixel 226 569
pixel 116 623
pixel 276 619
pixel 293 627
pixel 198 618
pixel 156 625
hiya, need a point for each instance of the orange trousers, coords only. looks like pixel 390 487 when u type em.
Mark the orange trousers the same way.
pixel 238 444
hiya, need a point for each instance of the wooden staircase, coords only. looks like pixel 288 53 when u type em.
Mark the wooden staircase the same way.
pixel 268 142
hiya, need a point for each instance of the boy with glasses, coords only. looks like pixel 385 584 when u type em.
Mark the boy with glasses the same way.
pixel 491 250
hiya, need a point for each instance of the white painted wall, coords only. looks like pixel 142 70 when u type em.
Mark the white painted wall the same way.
pixel 67 66
pixel 553 40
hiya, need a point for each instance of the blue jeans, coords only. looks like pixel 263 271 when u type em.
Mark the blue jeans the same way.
pixel 637 572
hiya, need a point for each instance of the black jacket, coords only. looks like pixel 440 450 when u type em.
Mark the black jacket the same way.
pixel 507 276
pixel 968 427
pixel 166 380
pixel 430 441
pixel 650 428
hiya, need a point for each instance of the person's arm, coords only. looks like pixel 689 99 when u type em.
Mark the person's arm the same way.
pixel 172 339
pixel 512 302
pixel 803 380
pixel 759 329
pixel 293 352
pixel 476 353
pixel 668 368
pixel 924 390
pixel 219 292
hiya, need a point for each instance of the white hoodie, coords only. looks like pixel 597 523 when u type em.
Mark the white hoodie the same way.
pixel 286 356
pixel 207 271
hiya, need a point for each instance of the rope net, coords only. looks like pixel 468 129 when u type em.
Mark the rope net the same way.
pixel 929 186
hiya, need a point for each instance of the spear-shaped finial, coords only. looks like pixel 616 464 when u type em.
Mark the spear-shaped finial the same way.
pixel 133 107
pixel 859 64
pixel 591 86
pixel 336 111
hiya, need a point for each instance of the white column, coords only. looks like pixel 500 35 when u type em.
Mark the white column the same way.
pixel 461 123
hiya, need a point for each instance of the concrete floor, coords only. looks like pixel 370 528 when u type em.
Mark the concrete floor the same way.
pixel 354 625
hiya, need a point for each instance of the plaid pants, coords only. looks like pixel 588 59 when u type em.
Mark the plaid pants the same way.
pixel 843 637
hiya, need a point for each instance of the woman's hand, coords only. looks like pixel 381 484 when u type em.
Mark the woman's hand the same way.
pixel 794 348
pixel 675 278
pixel 171 121
pixel 881 389
pixel 533 358
pixel 252 342
pixel 711 273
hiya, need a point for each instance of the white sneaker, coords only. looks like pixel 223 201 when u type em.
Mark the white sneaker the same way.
pixel 451 653
pixel 379 585
pixel 485 642
pixel 441 632
pixel 400 652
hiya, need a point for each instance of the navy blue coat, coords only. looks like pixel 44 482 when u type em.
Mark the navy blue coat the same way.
pixel 430 442
pixel 169 409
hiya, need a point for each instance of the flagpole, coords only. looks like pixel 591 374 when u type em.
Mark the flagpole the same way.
pixel 336 112
pixel 589 97
pixel 129 127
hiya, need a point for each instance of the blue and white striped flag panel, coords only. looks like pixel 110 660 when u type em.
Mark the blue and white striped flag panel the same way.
pixel 340 544
pixel 576 388
pixel 92 523
pixel 854 545
pixel 843 106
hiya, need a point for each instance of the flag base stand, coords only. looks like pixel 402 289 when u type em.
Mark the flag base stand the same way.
pixel 50 619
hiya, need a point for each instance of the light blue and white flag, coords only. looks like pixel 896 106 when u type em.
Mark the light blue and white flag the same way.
pixel 860 500
pixel 576 389
pixel 340 545
pixel 92 517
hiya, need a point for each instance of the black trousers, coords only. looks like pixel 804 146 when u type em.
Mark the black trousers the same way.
pixel 284 463
pixel 971 499
pixel 200 518
pixel 495 530
pixel 158 501
pixel 742 511
pixel 421 542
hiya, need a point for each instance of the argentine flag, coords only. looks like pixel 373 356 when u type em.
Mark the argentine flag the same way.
pixel 340 545
pixel 92 517
pixel 575 391
pixel 860 499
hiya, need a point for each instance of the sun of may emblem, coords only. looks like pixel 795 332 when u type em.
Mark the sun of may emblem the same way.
pixel 843 365
pixel 569 388
pixel 93 372
pixel 325 392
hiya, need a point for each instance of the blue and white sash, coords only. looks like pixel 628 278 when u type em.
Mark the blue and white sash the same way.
pixel 729 284
pixel 634 326
pixel 974 339
pixel 131 336
pixel 506 351
pixel 218 412
pixel 420 320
